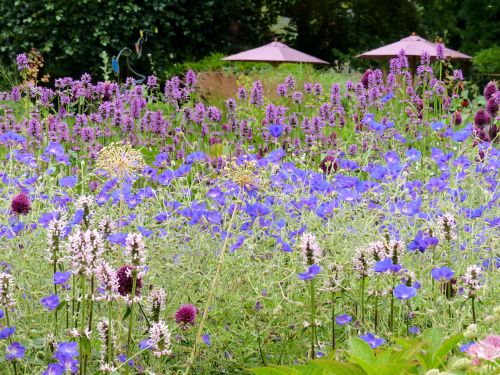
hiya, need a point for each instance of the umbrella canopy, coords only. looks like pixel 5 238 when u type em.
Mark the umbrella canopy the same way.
pixel 413 45
pixel 275 52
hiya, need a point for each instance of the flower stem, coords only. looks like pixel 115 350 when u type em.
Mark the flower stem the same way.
pixel 213 286
pixel 473 310
pixel 313 320
pixel 131 316
pixel 363 300
pixel 333 320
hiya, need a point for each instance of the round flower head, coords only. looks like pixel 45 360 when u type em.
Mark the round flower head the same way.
pixel 329 164
pixel 457 118
pixel 311 251
pixel 482 119
pixel 125 281
pixel 186 315
pixel 490 90
pixel 20 204
pixel 365 78
pixel 492 105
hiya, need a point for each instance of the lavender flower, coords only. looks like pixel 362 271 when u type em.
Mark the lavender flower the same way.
pixel 160 337
pixel 440 51
pixel 311 252
pixel 6 289
pixel 257 94
pixel 22 62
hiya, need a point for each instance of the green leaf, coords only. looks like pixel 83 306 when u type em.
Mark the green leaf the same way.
pixel 61 305
pixel 278 370
pixel 361 349
pixel 445 348
pixel 85 346
pixel 127 313
pixel 339 368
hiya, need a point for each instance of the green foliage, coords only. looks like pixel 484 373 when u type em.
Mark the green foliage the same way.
pixel 73 34
pixel 487 61
pixel 428 352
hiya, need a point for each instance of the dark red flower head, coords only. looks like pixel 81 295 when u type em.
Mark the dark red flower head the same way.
pixel 329 164
pixel 492 105
pixel 20 204
pixel 125 281
pixel 366 77
pixel 457 118
pixel 186 315
pixel 482 119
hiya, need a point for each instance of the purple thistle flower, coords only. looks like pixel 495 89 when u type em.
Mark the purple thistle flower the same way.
pixel 443 274
pixel 311 273
pixel 372 340
pixel 186 315
pixel 343 319
pixel 51 302
pixel 20 204
pixel 404 292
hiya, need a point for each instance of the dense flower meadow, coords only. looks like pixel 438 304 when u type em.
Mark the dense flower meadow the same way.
pixel 143 231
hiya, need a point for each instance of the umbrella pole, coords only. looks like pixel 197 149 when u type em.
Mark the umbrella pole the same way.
pixel 413 67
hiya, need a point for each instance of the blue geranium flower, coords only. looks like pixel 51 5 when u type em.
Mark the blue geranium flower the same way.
pixel 372 340
pixel 275 130
pixel 51 302
pixel 442 274
pixel 404 292
pixel 311 273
